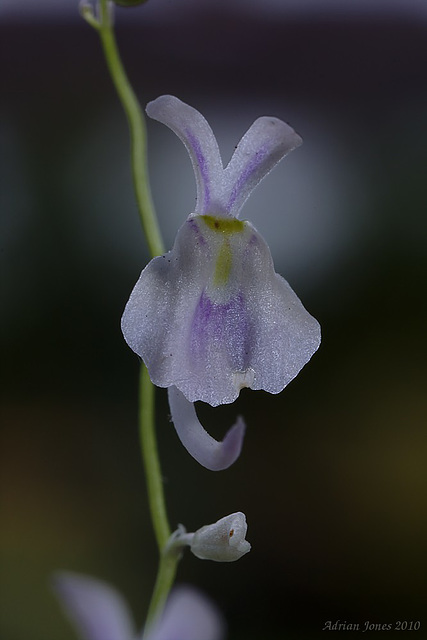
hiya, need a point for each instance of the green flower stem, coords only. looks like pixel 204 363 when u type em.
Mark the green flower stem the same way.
pixel 137 131
pixel 151 460
pixel 165 578
pixel 169 559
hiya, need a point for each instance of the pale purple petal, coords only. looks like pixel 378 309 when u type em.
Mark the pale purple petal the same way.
pixel 188 333
pixel 194 131
pixel 188 615
pixel 266 142
pixel 97 611
pixel 212 339
pixel 210 453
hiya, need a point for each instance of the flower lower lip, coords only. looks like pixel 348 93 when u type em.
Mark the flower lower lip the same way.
pixel 244 379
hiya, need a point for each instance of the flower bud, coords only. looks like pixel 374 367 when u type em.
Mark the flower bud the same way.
pixel 223 541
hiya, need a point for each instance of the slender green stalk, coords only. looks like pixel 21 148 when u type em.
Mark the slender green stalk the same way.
pixel 137 130
pixel 151 459
pixel 165 578
pixel 168 558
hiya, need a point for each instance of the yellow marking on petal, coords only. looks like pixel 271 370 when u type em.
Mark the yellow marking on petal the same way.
pixel 224 225
pixel 223 265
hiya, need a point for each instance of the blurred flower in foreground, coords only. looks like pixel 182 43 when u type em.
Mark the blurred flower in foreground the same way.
pixel 98 612
pixel 211 316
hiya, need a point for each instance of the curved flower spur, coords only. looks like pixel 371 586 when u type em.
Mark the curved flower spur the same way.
pixel 211 316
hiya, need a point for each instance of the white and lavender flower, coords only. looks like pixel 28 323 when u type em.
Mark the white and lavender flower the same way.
pixel 98 612
pixel 211 316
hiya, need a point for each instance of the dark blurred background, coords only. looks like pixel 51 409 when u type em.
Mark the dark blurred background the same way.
pixel 333 476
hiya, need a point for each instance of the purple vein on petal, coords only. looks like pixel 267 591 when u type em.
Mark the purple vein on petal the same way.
pixel 222 324
pixel 196 230
pixel 245 176
pixel 264 144
pixel 208 452
pixel 196 134
pixel 204 183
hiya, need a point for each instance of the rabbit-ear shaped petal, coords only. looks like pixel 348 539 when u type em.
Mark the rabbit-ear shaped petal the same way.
pixel 265 143
pixel 194 131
